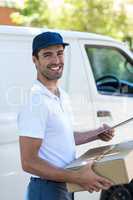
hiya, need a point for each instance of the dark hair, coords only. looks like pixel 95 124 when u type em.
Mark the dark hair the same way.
pixel 35 54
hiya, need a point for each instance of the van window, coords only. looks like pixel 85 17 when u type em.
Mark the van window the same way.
pixel 112 69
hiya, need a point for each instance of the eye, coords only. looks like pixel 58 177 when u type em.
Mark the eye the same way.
pixel 60 53
pixel 46 55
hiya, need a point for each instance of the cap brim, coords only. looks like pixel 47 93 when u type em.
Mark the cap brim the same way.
pixel 56 43
pixel 66 44
pixel 50 44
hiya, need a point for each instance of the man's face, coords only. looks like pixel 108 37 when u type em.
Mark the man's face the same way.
pixel 50 62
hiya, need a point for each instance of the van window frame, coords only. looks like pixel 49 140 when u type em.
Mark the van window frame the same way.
pixel 122 52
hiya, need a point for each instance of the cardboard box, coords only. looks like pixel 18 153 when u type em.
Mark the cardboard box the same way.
pixel 114 162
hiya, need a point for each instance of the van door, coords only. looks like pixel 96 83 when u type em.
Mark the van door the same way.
pixel 75 81
pixel 109 69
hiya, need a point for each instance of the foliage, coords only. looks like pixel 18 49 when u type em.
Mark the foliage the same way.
pixel 34 13
pixel 98 16
pixel 93 16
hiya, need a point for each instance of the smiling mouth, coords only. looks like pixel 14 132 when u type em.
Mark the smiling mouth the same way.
pixel 55 68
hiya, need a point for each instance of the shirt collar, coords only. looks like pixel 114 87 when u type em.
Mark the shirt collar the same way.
pixel 39 87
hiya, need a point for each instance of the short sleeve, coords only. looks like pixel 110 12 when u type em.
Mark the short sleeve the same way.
pixel 32 121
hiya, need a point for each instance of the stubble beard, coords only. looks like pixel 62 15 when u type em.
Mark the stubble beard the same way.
pixel 49 75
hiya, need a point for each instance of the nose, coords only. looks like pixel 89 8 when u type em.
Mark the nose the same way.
pixel 55 59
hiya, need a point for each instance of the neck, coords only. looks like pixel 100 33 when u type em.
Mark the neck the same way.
pixel 50 85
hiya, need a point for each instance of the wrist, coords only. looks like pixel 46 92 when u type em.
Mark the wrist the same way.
pixel 72 176
pixel 97 133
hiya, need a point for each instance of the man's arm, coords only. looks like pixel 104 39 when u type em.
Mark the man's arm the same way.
pixel 85 137
pixel 33 164
pixel 88 136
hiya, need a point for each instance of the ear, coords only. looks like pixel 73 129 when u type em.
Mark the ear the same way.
pixel 34 59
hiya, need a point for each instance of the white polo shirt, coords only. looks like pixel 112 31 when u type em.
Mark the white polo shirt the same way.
pixel 49 117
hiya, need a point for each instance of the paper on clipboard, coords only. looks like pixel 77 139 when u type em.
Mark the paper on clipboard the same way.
pixel 117 125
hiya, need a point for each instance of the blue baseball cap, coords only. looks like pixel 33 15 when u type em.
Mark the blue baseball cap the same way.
pixel 46 39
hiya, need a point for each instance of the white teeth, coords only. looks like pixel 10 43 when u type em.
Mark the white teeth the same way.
pixel 55 68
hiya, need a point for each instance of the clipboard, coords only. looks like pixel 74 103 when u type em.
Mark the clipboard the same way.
pixel 115 126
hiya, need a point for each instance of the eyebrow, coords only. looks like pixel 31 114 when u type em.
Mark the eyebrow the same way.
pixel 47 52
pixel 60 51
pixel 50 52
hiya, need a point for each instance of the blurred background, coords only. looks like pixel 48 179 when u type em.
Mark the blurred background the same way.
pixel 108 17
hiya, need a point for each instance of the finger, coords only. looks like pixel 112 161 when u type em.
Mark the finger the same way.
pixel 105 186
pixel 107 129
pixel 105 138
pixel 94 188
pixel 105 182
pixel 106 126
pixel 101 183
pixel 111 130
pixel 108 134
pixel 97 187
pixel 90 190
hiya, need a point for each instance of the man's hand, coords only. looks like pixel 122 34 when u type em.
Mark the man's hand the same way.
pixel 107 134
pixel 90 181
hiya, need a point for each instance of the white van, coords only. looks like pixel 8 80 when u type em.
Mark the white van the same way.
pixel 98 75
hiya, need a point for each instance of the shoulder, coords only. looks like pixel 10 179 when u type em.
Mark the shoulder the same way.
pixel 35 102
